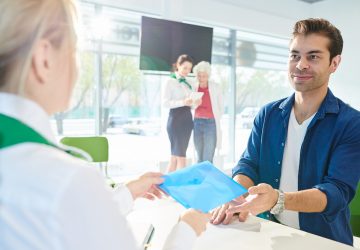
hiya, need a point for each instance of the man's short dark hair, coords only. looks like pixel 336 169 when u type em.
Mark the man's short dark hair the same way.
pixel 322 27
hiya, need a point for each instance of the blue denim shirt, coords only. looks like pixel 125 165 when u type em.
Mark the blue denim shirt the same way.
pixel 329 160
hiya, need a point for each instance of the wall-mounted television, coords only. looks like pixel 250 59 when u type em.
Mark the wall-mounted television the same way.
pixel 162 41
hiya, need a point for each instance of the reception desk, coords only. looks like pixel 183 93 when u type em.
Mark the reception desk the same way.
pixel 254 234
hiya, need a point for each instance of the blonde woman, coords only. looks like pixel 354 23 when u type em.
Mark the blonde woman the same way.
pixel 48 199
pixel 207 130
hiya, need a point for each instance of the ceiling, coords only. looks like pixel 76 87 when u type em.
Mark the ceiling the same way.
pixel 311 1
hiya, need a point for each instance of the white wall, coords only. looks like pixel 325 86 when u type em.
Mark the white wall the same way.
pixel 266 17
pixel 147 6
pixel 273 17
pixel 345 15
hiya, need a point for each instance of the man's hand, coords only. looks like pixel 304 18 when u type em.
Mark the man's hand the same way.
pixel 261 198
pixel 145 186
pixel 221 214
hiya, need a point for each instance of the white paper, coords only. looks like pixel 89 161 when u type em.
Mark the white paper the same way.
pixel 196 95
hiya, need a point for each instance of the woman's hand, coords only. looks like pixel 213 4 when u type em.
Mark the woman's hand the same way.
pixel 188 101
pixel 195 219
pixel 145 186
pixel 224 215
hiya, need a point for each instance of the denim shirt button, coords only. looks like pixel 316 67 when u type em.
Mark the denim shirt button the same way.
pixel 282 144
pixel 278 162
pixel 276 180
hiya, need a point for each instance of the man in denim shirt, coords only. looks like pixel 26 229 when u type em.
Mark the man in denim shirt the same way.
pixel 302 162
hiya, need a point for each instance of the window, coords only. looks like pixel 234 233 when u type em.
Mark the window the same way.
pixel 113 97
pixel 261 77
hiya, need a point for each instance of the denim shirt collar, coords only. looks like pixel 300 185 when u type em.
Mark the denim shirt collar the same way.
pixel 329 105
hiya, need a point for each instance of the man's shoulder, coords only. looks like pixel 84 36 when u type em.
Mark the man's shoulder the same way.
pixel 347 120
pixel 277 103
pixel 334 104
pixel 348 107
pixel 348 112
pixel 271 112
pixel 273 106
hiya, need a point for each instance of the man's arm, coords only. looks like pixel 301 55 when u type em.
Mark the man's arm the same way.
pixel 308 201
pixel 244 181
pixel 263 197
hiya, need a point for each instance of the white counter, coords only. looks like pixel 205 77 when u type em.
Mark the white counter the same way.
pixel 254 234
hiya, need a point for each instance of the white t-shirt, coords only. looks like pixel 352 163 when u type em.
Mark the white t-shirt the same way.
pixel 290 165
pixel 51 200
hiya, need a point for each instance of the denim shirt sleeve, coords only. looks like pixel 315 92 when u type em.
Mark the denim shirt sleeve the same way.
pixel 249 161
pixel 343 175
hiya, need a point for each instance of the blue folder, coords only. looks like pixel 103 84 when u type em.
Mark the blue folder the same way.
pixel 201 186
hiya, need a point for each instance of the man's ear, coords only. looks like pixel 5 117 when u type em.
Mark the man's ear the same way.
pixel 40 61
pixel 335 63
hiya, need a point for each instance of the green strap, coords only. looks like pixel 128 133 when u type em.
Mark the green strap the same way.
pixel 13 132
pixel 181 80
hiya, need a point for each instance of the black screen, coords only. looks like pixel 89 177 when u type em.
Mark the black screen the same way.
pixel 162 41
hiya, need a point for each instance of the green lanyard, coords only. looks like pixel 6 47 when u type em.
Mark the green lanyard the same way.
pixel 181 80
pixel 13 132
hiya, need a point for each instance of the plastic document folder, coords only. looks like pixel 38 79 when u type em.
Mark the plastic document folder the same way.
pixel 201 186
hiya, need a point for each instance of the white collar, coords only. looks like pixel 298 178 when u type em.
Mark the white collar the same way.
pixel 28 112
pixel 178 76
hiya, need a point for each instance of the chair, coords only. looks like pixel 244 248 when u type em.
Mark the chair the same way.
pixel 355 213
pixel 96 146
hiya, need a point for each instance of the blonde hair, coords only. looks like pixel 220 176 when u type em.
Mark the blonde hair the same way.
pixel 202 67
pixel 22 24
